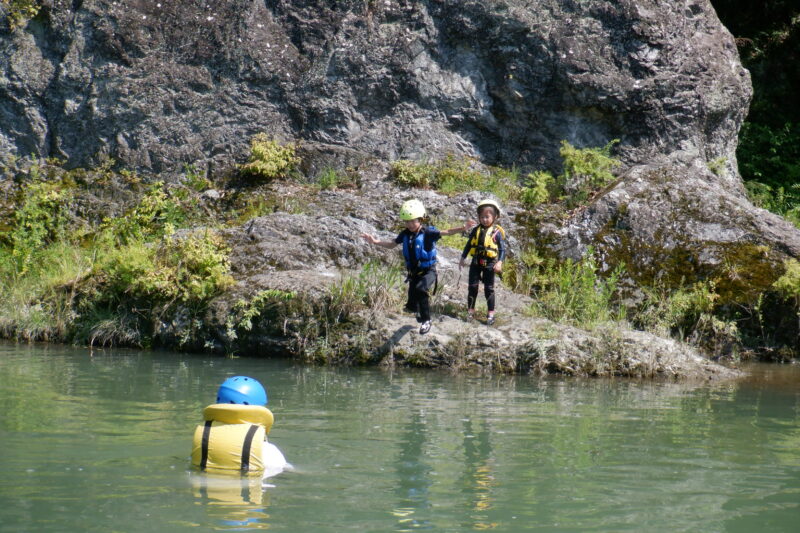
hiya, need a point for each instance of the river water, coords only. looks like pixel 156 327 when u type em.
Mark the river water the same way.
pixel 100 441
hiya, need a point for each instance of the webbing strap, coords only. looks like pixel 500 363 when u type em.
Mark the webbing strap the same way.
pixel 248 442
pixel 204 445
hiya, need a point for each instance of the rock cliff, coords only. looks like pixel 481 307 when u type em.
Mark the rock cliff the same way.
pixel 158 84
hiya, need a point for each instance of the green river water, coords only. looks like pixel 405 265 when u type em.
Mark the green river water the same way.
pixel 101 441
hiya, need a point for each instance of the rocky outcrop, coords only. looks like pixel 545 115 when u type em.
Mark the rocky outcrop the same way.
pixel 158 84
pixel 315 252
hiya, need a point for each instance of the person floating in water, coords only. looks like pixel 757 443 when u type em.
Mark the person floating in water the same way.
pixel 486 246
pixel 233 437
pixel 419 251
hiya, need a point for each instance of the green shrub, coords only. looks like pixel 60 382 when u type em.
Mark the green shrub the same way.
pixel 244 312
pixel 456 240
pixel 269 159
pixel 39 304
pixel 769 154
pixel 40 221
pixel 537 188
pixel 717 166
pixel 788 285
pixel 156 214
pixel 688 314
pixel 331 178
pixel 521 271
pixel 328 179
pixel 376 287
pixel 190 269
pixel 574 292
pixel 195 180
pixel 586 170
pixel 452 176
pixel 19 12
pixel 410 174
pixel 784 201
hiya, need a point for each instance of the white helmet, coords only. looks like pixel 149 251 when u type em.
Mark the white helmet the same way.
pixel 412 209
pixel 489 201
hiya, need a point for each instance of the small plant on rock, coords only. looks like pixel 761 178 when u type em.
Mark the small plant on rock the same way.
pixel 410 174
pixel 269 159
pixel 586 170
pixel 18 12
pixel 537 188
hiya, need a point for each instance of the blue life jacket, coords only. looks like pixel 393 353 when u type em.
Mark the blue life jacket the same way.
pixel 425 259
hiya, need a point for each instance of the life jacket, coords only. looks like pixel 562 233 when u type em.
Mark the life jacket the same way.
pixel 231 439
pixel 425 259
pixel 483 242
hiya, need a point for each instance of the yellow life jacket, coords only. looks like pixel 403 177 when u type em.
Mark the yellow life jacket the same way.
pixel 482 243
pixel 232 437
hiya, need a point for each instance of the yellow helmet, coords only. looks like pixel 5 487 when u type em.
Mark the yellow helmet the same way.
pixel 412 209
pixel 489 201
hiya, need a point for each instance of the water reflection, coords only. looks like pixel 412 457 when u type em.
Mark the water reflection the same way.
pixel 478 479
pixel 236 503
pixel 413 476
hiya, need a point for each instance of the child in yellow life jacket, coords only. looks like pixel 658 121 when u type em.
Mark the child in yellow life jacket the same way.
pixel 419 251
pixel 233 437
pixel 487 248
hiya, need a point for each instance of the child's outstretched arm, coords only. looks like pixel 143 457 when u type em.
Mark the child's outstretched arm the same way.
pixel 377 242
pixel 468 225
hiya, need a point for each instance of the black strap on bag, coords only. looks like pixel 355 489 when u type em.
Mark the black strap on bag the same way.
pixel 204 445
pixel 248 443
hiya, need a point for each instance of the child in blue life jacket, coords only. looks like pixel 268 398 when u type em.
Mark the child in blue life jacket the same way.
pixel 233 437
pixel 419 251
pixel 486 246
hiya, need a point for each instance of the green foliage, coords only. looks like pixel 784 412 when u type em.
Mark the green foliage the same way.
pixel 19 12
pixel 195 180
pixel 665 312
pixel 537 188
pixel 574 292
pixel 38 305
pixel 410 174
pixel 456 240
pixel 330 178
pixel 40 221
pixel 688 313
pixel 156 214
pixel 779 200
pixel 269 159
pixel 375 287
pixel 521 271
pixel 788 284
pixel 452 176
pixel 770 154
pixel 189 269
pixel 717 166
pixel 586 170
pixel 244 312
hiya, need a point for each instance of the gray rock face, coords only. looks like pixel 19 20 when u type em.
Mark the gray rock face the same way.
pixel 156 84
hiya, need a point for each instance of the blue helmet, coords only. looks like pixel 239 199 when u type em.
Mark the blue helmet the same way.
pixel 242 390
